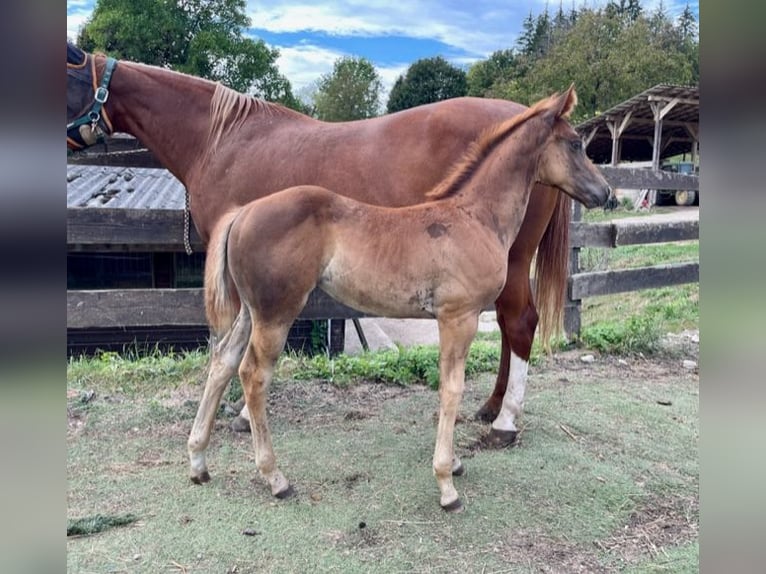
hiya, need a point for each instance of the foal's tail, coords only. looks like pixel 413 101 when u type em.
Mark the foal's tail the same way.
pixel 551 270
pixel 221 298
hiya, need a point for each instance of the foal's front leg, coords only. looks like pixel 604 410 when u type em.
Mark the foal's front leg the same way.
pixel 226 356
pixel 455 336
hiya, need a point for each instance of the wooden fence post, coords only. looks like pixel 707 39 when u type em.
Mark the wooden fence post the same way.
pixel 572 308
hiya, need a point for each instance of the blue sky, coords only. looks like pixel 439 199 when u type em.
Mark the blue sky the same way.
pixel 311 35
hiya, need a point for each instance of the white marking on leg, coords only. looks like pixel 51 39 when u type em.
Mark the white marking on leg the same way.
pixel 513 401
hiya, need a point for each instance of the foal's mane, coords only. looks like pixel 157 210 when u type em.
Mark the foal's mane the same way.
pixel 464 168
pixel 230 109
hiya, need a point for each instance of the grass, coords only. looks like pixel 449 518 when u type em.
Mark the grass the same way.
pixel 635 322
pixel 600 467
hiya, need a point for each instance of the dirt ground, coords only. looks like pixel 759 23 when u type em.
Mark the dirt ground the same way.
pixel 589 422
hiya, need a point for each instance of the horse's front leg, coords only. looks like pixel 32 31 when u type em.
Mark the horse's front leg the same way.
pixel 225 358
pixel 455 336
pixel 256 372
pixel 517 318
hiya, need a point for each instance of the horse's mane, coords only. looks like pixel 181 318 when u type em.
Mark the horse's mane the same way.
pixel 464 168
pixel 229 109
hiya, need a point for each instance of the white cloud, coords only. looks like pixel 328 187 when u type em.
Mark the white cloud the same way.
pixel 457 24
pixel 304 63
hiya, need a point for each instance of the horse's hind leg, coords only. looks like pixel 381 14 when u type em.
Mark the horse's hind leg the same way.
pixel 255 372
pixel 517 318
pixel 226 356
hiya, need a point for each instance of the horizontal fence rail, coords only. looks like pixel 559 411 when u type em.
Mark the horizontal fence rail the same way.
pixel 87 309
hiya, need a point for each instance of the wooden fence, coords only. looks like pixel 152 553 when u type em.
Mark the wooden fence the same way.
pixel 104 229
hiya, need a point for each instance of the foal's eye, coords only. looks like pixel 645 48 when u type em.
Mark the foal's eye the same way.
pixel 576 145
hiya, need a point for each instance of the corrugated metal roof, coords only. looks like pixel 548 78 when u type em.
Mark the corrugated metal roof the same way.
pixel 637 137
pixel 123 187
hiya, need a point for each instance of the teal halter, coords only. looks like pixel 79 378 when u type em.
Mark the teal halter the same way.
pixel 92 118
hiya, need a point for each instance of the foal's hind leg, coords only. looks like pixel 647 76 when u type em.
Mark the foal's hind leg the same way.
pixel 255 372
pixel 517 318
pixel 226 356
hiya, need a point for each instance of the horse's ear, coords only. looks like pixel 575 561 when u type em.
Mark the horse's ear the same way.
pixel 566 102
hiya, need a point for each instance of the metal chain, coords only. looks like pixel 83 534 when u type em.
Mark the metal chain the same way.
pixel 187 242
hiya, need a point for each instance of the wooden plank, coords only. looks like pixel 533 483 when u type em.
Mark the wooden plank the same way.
pixel 132 158
pixel 636 233
pixel 608 282
pixel 153 307
pixel 134 308
pixel 645 178
pixel 617 233
pixel 591 234
pixel 101 227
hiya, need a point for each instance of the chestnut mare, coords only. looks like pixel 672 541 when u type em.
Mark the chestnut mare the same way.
pixel 228 149
pixel 446 258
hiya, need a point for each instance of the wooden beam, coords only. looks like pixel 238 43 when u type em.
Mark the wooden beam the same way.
pixel 645 178
pixel 155 307
pixel 638 233
pixel 687 101
pixel 589 137
pixel 618 233
pixel 609 282
pixel 134 308
pixel 100 226
pixel 583 234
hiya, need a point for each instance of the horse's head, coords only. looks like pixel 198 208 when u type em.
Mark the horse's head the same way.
pixel 86 117
pixel 563 163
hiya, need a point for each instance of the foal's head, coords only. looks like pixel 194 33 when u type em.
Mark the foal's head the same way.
pixel 563 163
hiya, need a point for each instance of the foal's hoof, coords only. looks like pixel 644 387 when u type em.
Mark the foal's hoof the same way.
pixel 240 424
pixel 453 507
pixel 500 438
pixel 286 493
pixel 487 413
pixel 201 478
pixel 459 471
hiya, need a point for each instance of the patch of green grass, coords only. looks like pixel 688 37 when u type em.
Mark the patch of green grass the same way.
pixel 635 322
pixel 132 374
pixel 634 256
pixel 401 366
pixel 637 334
pixel 625 209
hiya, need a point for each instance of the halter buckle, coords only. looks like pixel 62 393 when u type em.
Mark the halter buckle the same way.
pixel 102 94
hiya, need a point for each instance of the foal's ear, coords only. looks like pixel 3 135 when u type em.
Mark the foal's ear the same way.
pixel 566 102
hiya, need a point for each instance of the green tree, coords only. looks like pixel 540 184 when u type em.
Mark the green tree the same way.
pixel 610 59
pixel 427 80
pixel 199 37
pixel 482 76
pixel 350 92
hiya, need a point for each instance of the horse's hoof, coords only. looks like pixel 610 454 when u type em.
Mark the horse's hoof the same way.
pixel 286 493
pixel 486 413
pixel 201 478
pixel 453 507
pixel 500 438
pixel 240 424
pixel 459 471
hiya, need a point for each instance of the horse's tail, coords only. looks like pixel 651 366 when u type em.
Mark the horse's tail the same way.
pixel 221 298
pixel 551 270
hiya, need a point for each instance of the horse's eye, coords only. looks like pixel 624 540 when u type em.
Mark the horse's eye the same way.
pixel 576 145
